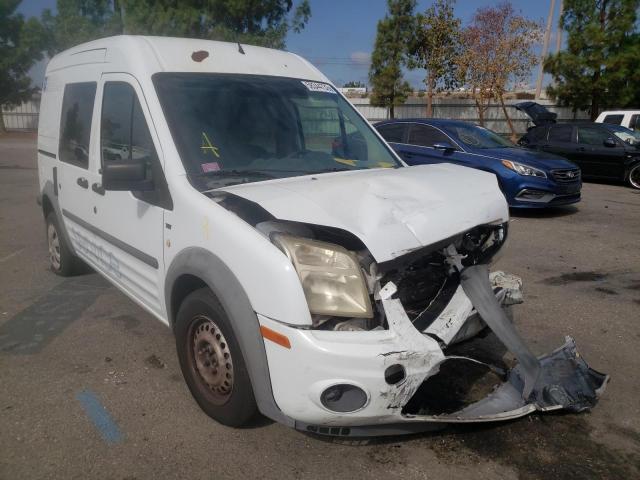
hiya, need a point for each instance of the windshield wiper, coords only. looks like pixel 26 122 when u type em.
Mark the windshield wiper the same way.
pixel 334 169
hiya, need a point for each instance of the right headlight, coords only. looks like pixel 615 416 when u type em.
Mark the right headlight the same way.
pixel 523 169
pixel 330 275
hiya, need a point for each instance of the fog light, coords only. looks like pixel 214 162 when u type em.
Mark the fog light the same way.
pixel 394 374
pixel 343 398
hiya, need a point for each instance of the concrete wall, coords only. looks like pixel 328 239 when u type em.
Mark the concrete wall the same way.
pixel 465 109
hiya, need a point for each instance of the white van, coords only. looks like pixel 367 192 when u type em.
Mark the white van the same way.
pixel 624 118
pixel 306 272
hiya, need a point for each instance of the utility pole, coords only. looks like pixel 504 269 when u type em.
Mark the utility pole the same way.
pixel 559 27
pixel 545 48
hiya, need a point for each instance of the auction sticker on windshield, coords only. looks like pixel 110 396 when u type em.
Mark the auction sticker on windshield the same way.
pixel 318 87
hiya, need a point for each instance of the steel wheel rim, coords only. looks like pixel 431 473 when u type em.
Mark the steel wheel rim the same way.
pixel 634 176
pixel 211 359
pixel 54 246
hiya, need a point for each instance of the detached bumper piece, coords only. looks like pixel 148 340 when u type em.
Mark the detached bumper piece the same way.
pixel 559 380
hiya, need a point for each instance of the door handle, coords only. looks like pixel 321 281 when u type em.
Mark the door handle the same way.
pixel 96 187
pixel 581 149
pixel 83 182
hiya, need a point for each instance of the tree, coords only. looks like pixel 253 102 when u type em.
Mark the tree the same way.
pixel 497 49
pixel 435 48
pixel 21 44
pixel 263 23
pixel 390 55
pixel 601 66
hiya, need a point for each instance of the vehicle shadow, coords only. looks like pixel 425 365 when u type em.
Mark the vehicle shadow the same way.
pixel 553 212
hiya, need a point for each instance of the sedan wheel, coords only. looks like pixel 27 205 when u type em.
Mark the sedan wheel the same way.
pixel 634 177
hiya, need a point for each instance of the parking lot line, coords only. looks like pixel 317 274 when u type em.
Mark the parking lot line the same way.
pixel 99 417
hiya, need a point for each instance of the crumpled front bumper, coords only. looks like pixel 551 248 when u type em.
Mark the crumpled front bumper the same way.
pixel 317 360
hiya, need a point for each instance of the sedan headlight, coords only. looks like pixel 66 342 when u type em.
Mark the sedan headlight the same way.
pixel 523 169
pixel 330 275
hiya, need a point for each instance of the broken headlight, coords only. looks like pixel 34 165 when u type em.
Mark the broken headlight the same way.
pixel 330 275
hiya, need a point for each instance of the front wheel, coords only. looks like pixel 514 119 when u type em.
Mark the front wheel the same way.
pixel 634 176
pixel 211 361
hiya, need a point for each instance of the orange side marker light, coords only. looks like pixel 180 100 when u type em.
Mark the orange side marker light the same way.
pixel 275 337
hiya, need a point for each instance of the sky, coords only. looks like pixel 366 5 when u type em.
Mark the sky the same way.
pixel 340 34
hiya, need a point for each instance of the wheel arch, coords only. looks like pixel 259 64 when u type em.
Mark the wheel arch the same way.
pixel 195 268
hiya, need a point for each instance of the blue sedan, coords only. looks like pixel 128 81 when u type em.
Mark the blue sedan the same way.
pixel 528 179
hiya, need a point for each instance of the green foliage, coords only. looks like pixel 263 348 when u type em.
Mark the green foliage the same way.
pixel 601 66
pixel 435 46
pixel 390 55
pixel 21 44
pixel 263 23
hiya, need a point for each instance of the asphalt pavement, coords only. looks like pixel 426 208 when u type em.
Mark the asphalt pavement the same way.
pixel 91 387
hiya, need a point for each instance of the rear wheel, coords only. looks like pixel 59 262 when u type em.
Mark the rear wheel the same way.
pixel 211 361
pixel 61 261
pixel 634 176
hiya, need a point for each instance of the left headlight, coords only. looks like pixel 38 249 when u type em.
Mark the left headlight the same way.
pixel 523 169
pixel 330 275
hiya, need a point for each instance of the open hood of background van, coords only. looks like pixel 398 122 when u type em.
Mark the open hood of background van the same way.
pixel 392 211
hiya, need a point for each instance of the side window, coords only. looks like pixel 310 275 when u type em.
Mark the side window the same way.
pixel 634 123
pixel 615 119
pixel 537 134
pixel 75 123
pixel 392 133
pixel 560 133
pixel 125 137
pixel 592 136
pixel 426 136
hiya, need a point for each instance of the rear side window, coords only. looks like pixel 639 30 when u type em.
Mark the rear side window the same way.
pixel 537 134
pixel 392 133
pixel 560 133
pixel 634 123
pixel 615 119
pixel 426 136
pixel 75 123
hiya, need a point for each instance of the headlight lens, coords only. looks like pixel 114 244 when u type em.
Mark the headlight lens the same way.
pixel 330 275
pixel 523 169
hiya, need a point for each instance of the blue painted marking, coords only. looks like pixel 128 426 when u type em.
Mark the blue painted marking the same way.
pixel 99 416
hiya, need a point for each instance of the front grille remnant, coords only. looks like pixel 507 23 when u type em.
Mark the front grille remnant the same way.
pixel 419 282
pixel 566 175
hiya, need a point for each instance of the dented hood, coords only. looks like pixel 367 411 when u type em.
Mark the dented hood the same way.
pixel 392 211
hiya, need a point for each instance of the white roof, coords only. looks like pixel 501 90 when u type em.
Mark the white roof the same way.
pixel 148 55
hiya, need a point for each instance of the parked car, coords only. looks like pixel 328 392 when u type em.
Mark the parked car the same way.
pixel 624 118
pixel 305 271
pixel 601 150
pixel 527 179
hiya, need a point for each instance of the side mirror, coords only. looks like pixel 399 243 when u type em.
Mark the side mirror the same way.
pixel 609 142
pixel 126 176
pixel 444 146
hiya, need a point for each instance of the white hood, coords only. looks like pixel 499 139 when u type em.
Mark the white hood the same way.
pixel 393 211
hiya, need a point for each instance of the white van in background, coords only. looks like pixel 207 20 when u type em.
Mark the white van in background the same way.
pixel 306 272
pixel 624 118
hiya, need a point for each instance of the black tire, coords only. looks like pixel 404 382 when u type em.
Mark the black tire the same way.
pixel 633 178
pixel 61 261
pixel 211 360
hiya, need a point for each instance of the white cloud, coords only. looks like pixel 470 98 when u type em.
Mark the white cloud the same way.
pixel 362 58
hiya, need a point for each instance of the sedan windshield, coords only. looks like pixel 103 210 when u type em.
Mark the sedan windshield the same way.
pixel 625 134
pixel 475 136
pixel 245 128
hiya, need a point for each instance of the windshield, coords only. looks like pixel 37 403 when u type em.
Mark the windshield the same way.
pixel 475 136
pixel 625 134
pixel 244 128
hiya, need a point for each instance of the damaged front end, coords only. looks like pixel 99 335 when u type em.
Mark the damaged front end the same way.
pixel 405 343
